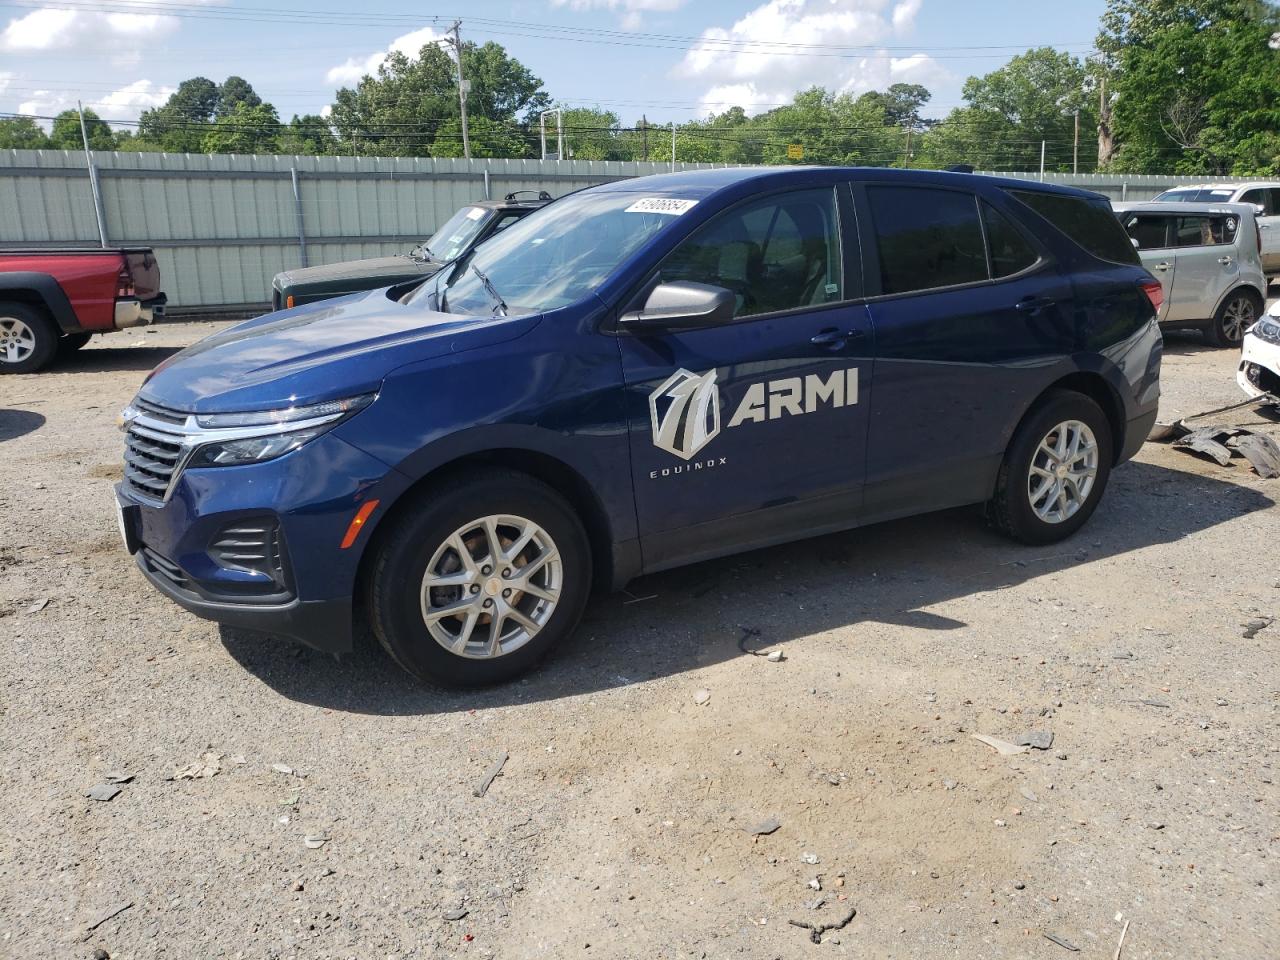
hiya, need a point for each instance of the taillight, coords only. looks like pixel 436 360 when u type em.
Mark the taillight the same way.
pixel 124 283
pixel 1155 293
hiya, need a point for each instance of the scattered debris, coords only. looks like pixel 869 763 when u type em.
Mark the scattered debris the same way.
pixel 816 930
pixel 1039 739
pixel 1253 627
pixel 774 656
pixel 116 776
pixel 1149 703
pixel 1123 655
pixel 1154 825
pixel 104 917
pixel 282 768
pixel 764 828
pixel 209 765
pixel 456 914
pixel 809 858
pixel 1003 747
pixel 702 697
pixel 1220 442
pixel 815 884
pixel 949 784
pixel 314 841
pixel 1029 794
pixel 37 606
pixel 101 954
pixel 102 791
pixel 1261 451
pixel 1166 432
pixel 1209 441
pixel 1065 944
pixel 1120 945
pixel 495 768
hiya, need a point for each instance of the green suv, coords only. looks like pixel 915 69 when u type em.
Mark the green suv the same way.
pixel 470 226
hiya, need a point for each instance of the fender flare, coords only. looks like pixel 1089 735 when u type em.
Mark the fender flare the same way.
pixel 50 293
pixel 1242 285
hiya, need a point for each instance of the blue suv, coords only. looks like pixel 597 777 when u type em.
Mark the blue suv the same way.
pixel 637 376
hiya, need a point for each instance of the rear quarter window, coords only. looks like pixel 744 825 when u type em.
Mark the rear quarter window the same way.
pixel 1090 223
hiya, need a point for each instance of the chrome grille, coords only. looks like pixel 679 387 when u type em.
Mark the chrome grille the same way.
pixel 157 412
pixel 151 457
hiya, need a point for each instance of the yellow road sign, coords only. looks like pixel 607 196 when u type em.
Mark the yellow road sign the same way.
pixel 795 151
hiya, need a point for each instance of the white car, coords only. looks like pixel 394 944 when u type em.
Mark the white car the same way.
pixel 1259 370
pixel 1264 195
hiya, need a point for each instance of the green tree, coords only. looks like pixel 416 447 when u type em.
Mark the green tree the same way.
pixel 399 111
pixel 22 133
pixel 247 129
pixel 901 103
pixel 178 125
pixel 65 134
pixel 309 134
pixel 233 92
pixel 591 134
pixel 489 138
pixel 1195 85
pixel 1034 98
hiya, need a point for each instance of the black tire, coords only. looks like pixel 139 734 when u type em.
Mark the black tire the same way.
pixel 28 334
pixel 1010 510
pixel 72 342
pixel 404 553
pixel 1228 327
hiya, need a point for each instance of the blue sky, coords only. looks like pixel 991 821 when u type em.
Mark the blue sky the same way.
pixel 667 59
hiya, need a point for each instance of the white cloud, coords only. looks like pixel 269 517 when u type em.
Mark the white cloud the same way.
pixel 123 104
pixel 49 28
pixel 760 76
pixel 5 79
pixel 630 11
pixel 353 68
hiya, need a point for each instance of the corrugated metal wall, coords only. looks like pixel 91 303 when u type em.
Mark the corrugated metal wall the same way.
pixel 223 225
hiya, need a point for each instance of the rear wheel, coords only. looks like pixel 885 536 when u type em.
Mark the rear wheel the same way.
pixel 1054 471
pixel 72 342
pixel 28 339
pixel 480 579
pixel 1236 315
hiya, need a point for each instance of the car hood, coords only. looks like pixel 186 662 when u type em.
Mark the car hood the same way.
pixel 393 268
pixel 317 352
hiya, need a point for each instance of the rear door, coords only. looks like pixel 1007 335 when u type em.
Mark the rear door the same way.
pixel 1154 234
pixel 753 430
pixel 1207 267
pixel 970 308
pixel 1268 198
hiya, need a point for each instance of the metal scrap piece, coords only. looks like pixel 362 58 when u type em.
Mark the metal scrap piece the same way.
pixel 1259 450
pixel 495 768
pixel 1206 440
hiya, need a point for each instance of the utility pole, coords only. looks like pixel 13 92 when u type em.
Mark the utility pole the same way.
pixel 906 161
pixel 462 88
pixel 673 145
pixel 1075 146
pixel 644 127
pixel 1042 161
pixel 98 211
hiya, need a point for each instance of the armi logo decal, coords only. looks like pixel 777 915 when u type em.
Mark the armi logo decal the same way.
pixel 685 412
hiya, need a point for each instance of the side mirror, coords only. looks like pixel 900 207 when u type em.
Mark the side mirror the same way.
pixel 683 304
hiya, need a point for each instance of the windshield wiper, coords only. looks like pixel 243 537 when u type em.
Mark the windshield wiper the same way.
pixel 498 303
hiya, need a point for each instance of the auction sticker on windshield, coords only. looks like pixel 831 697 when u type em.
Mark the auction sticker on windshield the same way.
pixel 669 205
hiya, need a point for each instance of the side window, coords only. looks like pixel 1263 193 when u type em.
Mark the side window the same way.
pixel 1010 251
pixel 1151 232
pixel 505 220
pixel 1089 223
pixel 1204 231
pixel 926 238
pixel 778 253
pixel 1258 196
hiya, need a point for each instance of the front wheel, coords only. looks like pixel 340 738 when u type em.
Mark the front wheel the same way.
pixel 1054 471
pixel 479 579
pixel 1236 315
pixel 28 339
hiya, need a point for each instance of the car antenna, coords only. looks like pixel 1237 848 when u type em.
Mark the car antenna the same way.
pixel 960 168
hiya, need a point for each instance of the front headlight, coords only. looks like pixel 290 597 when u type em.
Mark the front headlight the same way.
pixel 1268 329
pixel 232 439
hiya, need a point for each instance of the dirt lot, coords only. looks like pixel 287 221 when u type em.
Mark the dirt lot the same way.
pixel 618 827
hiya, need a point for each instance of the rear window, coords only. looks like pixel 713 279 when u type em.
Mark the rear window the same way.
pixel 1197 195
pixel 1010 251
pixel 1090 223
pixel 1205 231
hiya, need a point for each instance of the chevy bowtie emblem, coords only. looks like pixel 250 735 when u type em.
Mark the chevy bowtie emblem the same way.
pixel 685 412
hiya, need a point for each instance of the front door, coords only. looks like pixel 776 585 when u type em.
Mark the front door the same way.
pixel 1268 198
pixel 752 431
pixel 1207 265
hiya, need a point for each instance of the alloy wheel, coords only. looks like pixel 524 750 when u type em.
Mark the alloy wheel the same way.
pixel 17 340
pixel 491 586
pixel 1237 318
pixel 1063 470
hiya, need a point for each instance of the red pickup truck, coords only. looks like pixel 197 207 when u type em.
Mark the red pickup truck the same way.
pixel 52 301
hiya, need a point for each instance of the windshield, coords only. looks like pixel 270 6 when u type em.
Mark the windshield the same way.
pixel 552 257
pixel 1197 195
pixel 451 240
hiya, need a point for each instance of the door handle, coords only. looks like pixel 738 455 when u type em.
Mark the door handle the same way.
pixel 1161 266
pixel 1225 261
pixel 834 337
pixel 1033 305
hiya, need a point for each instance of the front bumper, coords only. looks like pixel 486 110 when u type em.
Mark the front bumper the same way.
pixel 1259 369
pixel 187 545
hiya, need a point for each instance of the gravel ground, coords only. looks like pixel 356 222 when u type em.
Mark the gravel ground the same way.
pixel 619 826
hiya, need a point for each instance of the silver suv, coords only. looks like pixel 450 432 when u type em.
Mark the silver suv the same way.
pixel 1262 195
pixel 1206 257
